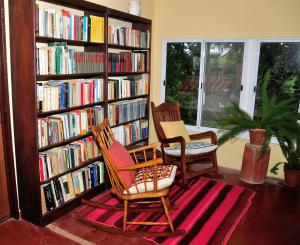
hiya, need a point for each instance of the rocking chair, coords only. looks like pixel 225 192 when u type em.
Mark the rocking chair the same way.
pixel 135 183
pixel 206 160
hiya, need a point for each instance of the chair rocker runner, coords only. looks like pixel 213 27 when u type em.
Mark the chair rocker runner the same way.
pixel 183 157
pixel 133 182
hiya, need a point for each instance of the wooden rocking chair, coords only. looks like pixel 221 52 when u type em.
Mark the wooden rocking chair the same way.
pixel 171 112
pixel 134 182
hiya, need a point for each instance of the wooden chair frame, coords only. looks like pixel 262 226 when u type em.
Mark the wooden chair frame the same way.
pixel 171 112
pixel 105 138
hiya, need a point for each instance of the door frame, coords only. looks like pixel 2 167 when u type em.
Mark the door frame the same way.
pixel 6 122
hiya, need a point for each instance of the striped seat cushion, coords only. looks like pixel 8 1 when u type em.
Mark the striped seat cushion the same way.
pixel 192 148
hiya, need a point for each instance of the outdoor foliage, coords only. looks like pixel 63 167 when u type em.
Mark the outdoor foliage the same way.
pixel 276 116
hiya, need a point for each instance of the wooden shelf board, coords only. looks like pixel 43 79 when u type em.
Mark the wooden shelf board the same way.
pixel 126 73
pixel 49 113
pixel 41 39
pixel 65 142
pixel 129 98
pixel 120 124
pixel 117 46
pixel 68 76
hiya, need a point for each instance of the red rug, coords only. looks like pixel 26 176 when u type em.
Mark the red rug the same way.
pixel 208 212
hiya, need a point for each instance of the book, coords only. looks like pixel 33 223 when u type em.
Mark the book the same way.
pixel 49 197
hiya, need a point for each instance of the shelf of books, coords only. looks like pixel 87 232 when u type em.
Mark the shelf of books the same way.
pixel 70 45
pixel 84 63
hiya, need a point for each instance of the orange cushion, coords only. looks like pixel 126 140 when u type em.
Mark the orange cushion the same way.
pixel 121 158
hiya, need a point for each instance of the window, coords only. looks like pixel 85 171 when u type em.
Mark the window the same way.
pixel 222 80
pixel 205 76
pixel 215 66
pixel 182 78
pixel 283 59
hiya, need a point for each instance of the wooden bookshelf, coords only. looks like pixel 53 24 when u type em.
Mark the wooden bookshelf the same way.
pixel 26 114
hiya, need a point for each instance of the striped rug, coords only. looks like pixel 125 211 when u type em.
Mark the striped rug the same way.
pixel 208 212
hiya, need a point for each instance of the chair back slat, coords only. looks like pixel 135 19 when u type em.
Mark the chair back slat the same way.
pixel 164 113
pixel 105 138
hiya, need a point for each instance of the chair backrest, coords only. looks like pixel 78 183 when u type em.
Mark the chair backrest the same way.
pixel 105 138
pixel 165 112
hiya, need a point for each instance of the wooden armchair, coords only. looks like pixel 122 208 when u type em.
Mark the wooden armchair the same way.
pixel 186 163
pixel 136 182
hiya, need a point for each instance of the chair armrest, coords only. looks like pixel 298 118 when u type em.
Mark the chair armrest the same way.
pixel 208 134
pixel 151 146
pixel 141 165
pixel 177 139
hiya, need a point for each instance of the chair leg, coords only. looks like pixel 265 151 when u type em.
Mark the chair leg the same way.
pixel 125 214
pixel 164 203
pixel 183 172
pixel 216 173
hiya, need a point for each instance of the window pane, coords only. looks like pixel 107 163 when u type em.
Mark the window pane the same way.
pixel 283 59
pixel 223 72
pixel 182 78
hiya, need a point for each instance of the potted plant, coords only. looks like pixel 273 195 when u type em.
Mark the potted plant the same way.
pixel 273 118
pixel 290 147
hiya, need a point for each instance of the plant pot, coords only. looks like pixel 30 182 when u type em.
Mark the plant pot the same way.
pixel 254 167
pixel 257 136
pixel 291 176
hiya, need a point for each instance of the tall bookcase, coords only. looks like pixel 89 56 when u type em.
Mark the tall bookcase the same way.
pixel 24 39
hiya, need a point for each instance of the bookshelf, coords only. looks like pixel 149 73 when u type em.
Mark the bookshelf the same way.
pixel 30 80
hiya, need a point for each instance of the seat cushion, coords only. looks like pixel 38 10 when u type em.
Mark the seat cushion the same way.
pixel 192 148
pixel 121 158
pixel 165 176
pixel 175 128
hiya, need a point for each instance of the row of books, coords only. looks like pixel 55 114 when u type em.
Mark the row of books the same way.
pixel 126 110
pixel 126 62
pixel 126 36
pixel 60 159
pixel 58 58
pixel 131 132
pixel 64 24
pixel 59 127
pixel 62 94
pixel 122 87
pixel 67 187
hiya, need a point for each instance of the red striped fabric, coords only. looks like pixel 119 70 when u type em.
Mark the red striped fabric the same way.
pixel 208 212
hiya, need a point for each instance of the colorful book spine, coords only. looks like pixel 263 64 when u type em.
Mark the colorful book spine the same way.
pixel 56 95
pixel 124 87
pixel 63 24
pixel 131 132
pixel 126 61
pixel 58 58
pixel 127 110
pixel 126 36
pixel 56 128
pixel 67 187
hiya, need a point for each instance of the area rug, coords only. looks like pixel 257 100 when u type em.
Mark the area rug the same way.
pixel 208 212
